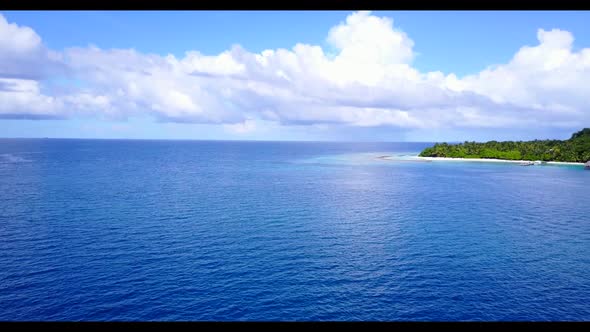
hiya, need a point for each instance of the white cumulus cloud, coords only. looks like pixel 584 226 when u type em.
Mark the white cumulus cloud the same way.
pixel 366 80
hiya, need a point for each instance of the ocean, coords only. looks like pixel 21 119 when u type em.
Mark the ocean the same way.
pixel 140 230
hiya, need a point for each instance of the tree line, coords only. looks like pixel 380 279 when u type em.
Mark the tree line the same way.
pixel 575 149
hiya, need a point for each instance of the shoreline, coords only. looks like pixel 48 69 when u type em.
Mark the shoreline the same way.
pixel 483 160
pixel 496 160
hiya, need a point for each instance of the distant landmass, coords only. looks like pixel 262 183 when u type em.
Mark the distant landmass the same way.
pixel 575 149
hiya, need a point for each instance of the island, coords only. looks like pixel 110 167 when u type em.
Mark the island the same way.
pixel 574 150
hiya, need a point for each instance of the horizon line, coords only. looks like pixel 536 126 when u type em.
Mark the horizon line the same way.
pixel 213 140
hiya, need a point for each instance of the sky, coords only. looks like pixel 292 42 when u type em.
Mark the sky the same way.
pixel 295 75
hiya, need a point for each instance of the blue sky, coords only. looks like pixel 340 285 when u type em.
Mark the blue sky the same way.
pixel 461 43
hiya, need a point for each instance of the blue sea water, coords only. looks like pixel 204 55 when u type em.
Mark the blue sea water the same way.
pixel 101 230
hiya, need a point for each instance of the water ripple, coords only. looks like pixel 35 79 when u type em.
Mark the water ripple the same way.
pixel 151 230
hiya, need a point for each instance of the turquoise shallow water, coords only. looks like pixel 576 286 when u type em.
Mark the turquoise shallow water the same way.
pixel 250 231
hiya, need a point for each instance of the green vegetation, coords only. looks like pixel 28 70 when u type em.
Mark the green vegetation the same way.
pixel 575 149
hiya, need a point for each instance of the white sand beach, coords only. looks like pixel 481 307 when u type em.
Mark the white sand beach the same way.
pixel 430 159
pixel 494 160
